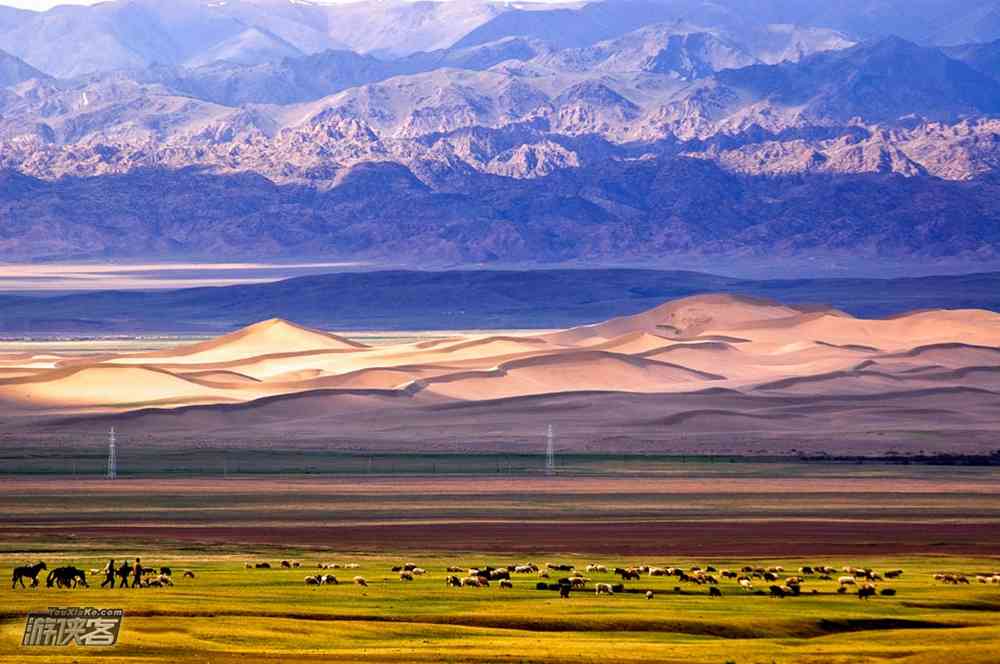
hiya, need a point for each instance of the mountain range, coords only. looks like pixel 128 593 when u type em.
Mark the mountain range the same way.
pixel 495 132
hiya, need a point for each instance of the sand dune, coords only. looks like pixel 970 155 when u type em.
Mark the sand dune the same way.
pixel 264 338
pixel 568 372
pixel 109 387
pixel 696 346
pixel 687 317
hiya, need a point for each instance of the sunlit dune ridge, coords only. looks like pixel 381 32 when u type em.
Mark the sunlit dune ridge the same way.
pixel 717 341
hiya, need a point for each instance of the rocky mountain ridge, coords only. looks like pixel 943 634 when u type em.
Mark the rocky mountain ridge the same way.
pixel 511 108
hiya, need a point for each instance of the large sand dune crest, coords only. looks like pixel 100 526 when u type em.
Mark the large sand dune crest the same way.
pixel 715 362
pixel 264 338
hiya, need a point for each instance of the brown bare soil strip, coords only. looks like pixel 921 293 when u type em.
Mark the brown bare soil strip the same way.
pixel 719 538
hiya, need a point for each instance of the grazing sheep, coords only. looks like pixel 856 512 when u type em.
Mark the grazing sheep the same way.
pixel 454 582
pixel 409 567
pixel 312 581
pixel 888 592
pixel 263 566
pixel 417 571
pixel 714 592
pixel 578 582
pixel 746 584
pixel 247 566
pixel 286 564
pixel 188 574
pixel 406 575
pixel 472 581
pixel 506 583
pixel 360 581
pixel 165 580
pixel 397 568
pixel 166 571
pixel 596 569
pixel 352 566
pixel 777 591
pixel 649 594
pixel 453 568
pixel 329 579
pixel 296 563
pixel 866 591
pixel 603 589
pixel 846 581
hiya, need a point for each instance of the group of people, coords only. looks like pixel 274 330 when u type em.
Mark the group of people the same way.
pixel 122 572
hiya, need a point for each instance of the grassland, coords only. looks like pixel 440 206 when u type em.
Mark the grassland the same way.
pixel 923 519
pixel 228 613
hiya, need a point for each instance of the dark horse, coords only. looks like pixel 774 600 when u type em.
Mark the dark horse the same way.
pixel 29 571
pixel 67 577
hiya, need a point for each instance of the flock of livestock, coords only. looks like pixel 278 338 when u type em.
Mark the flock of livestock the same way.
pixel 566 578
pixel 562 577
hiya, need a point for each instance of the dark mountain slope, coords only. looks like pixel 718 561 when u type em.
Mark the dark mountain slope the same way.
pixel 14 70
pixel 611 211
pixel 466 299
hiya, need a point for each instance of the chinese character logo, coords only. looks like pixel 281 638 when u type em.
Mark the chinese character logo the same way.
pixel 74 626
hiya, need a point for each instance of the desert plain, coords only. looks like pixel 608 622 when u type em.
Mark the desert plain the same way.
pixel 715 430
pixel 709 374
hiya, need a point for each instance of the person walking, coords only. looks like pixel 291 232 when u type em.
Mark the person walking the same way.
pixel 123 573
pixel 109 575
pixel 136 573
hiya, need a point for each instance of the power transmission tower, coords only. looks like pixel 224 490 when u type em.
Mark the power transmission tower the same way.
pixel 550 453
pixel 112 456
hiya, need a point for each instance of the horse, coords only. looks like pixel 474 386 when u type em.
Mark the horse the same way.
pixel 67 577
pixel 29 571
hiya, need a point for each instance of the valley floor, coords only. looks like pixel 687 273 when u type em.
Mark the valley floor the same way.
pixel 922 519
pixel 228 613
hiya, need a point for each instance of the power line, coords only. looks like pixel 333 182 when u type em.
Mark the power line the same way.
pixel 550 453
pixel 112 456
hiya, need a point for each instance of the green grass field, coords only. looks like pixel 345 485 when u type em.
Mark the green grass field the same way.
pixel 228 613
